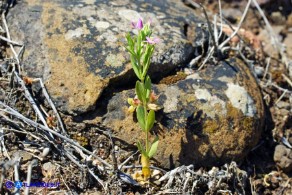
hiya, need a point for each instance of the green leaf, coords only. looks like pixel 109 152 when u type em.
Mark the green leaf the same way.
pixel 153 148
pixel 141 148
pixel 148 87
pixel 132 53
pixel 147 31
pixel 130 41
pixel 150 120
pixel 136 67
pixel 147 59
pixel 139 44
pixel 146 54
pixel 140 91
pixel 143 36
pixel 141 117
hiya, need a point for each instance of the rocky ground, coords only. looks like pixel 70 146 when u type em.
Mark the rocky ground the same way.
pixel 84 152
pixel 270 161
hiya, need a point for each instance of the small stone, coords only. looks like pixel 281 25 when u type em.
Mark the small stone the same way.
pixel 116 148
pixel 49 169
pixel 156 174
pixel 259 71
pixel 213 171
pixel 46 151
pixel 157 182
pixel 283 158
pixel 95 162
pixel 282 112
pixel 278 18
pixel 188 174
pixel 284 105
pixel 23 154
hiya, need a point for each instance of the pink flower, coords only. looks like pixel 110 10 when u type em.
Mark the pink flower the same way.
pixel 153 97
pixel 152 41
pixel 138 25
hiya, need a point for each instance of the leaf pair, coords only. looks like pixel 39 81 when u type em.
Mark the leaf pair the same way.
pixel 135 57
pixel 153 148
pixel 150 152
pixel 143 91
pixel 142 114
pixel 146 59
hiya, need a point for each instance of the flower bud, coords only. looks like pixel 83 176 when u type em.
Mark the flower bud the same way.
pixel 131 109
pixel 130 101
pixel 153 97
pixel 154 107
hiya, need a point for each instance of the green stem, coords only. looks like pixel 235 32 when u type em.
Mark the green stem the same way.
pixel 147 136
pixel 145 117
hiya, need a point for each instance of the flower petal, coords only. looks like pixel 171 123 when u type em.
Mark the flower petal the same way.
pixel 152 41
pixel 139 24
pixel 154 107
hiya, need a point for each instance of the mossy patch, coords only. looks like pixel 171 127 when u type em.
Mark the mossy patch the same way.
pixel 173 78
pixel 83 141
pixel 222 122
pixel 210 126
pixel 232 112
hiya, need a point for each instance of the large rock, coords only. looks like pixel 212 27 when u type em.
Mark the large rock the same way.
pixel 208 118
pixel 77 46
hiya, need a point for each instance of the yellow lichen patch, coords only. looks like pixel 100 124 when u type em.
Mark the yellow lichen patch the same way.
pixel 251 86
pixel 232 112
pixel 203 149
pixel 33 2
pixel 89 1
pixel 222 136
pixel 69 79
pixel 189 98
pixel 173 78
pixel 247 123
pixel 218 107
pixel 115 60
pixel 83 141
pixel 210 126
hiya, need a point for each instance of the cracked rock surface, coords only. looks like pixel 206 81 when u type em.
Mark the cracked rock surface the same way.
pixel 77 46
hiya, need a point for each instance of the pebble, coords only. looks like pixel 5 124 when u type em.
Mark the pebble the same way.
pixel 259 71
pixel 188 174
pixel 283 158
pixel 156 174
pixel 283 105
pixel 46 151
pixel 116 148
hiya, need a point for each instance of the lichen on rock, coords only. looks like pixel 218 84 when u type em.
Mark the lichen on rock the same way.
pixel 209 117
pixel 79 47
pixel 200 122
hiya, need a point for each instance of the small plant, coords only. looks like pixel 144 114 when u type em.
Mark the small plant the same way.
pixel 141 48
